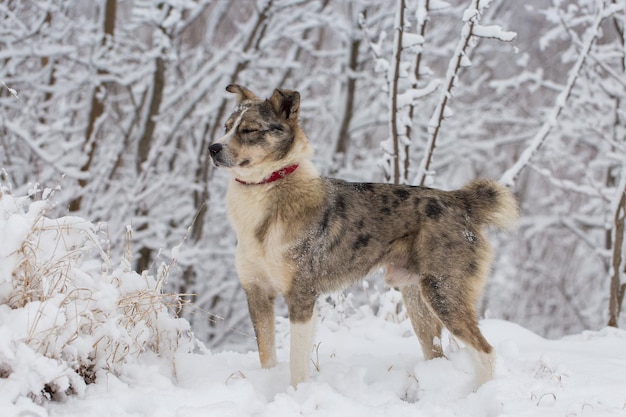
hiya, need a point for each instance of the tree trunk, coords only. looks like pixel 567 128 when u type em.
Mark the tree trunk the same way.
pixel 97 106
pixel 343 138
pixel 143 150
pixel 158 85
pixel 393 92
pixel 616 295
pixel 617 288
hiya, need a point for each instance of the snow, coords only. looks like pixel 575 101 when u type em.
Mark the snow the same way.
pixel 410 40
pixel 412 95
pixel 12 91
pixel 371 367
pixel 365 362
pixel 493 31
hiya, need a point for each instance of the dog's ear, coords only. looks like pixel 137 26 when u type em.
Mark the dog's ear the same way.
pixel 286 103
pixel 242 92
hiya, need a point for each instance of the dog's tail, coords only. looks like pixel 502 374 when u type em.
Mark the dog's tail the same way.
pixel 491 203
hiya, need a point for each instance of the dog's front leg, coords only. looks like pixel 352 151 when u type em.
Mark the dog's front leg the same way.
pixel 302 322
pixel 261 308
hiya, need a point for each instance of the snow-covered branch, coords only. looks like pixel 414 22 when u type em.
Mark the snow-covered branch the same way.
pixel 459 59
pixel 394 78
pixel 510 176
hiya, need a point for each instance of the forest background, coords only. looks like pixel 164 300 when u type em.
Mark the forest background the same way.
pixel 113 103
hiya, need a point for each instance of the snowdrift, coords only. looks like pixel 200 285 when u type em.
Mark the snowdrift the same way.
pixel 67 316
pixel 82 337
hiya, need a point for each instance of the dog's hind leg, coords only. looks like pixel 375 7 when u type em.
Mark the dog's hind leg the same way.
pixel 261 308
pixel 302 323
pixel 454 306
pixel 426 325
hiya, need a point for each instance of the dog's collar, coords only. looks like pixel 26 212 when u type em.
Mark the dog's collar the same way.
pixel 276 175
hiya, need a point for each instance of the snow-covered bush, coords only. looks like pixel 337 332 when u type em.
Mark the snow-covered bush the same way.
pixel 66 314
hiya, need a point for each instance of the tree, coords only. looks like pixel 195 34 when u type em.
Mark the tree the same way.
pixel 580 168
pixel 118 102
pixel 97 105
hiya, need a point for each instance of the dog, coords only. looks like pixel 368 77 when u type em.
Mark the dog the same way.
pixel 302 235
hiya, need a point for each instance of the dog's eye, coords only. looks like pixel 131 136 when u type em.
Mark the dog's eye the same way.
pixel 247 130
pixel 276 126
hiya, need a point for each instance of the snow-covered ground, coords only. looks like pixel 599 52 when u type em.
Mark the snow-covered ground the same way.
pixel 369 367
pixel 81 337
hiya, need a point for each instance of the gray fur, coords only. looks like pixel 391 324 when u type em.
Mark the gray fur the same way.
pixel 306 235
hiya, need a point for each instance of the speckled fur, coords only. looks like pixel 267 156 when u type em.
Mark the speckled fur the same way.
pixel 305 235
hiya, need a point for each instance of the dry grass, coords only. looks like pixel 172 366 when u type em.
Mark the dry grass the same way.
pixel 78 311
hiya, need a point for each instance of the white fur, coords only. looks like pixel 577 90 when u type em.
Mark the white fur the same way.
pixel 300 354
pixel 261 262
pixel 485 364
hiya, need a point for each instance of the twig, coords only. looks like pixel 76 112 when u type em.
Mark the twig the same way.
pixel 12 91
pixel 316 362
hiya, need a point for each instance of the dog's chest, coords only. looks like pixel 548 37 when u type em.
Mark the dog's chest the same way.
pixel 261 243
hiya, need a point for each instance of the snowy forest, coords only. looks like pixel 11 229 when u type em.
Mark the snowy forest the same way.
pixel 112 105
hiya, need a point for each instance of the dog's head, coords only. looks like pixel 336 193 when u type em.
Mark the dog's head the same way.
pixel 261 136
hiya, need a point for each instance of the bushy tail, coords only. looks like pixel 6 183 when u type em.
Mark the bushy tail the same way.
pixel 491 203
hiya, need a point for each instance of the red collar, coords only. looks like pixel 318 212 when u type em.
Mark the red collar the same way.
pixel 276 175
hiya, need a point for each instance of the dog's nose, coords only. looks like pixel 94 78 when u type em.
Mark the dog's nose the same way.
pixel 215 149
